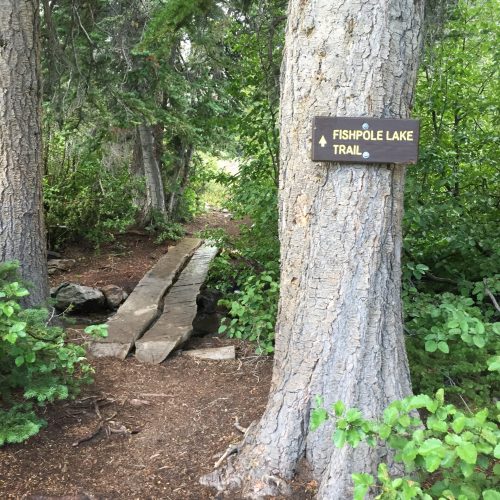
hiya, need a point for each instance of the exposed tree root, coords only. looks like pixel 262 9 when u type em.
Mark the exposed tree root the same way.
pixel 246 471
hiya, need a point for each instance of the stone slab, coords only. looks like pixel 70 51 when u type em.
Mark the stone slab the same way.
pixel 174 326
pixel 142 306
pixel 213 353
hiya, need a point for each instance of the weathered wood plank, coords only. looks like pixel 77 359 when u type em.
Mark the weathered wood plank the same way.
pixel 174 326
pixel 143 305
pixel 213 353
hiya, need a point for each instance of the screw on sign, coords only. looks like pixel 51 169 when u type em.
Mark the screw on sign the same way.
pixel 365 140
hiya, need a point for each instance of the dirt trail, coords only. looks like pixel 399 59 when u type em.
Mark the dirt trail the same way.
pixel 162 426
pixel 182 414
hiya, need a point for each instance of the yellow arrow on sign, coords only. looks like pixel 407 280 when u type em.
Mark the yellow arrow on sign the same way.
pixel 322 141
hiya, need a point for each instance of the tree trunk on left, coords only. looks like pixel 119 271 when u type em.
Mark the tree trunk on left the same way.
pixel 22 231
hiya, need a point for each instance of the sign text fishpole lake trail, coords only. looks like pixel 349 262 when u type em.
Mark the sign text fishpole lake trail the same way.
pixel 365 140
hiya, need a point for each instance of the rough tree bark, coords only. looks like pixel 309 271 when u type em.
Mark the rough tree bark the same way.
pixel 155 194
pixel 22 232
pixel 339 331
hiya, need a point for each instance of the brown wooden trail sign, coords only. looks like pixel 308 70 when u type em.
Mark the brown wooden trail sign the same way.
pixel 365 140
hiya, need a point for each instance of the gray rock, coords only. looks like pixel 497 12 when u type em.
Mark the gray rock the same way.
pixel 52 254
pixel 114 295
pixel 83 298
pixel 207 300
pixel 55 289
pixel 205 324
pixel 58 265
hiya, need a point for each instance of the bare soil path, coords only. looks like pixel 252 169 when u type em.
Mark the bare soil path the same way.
pixel 140 431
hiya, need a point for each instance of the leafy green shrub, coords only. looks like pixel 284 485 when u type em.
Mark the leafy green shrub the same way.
pixel 449 456
pixel 252 311
pixel 37 365
pixel 451 341
pixel 163 229
pixel 83 199
pixel 173 231
pixel 247 271
pixel 225 272
pixel 451 199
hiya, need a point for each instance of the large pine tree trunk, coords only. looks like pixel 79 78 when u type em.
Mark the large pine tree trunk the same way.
pixel 339 332
pixel 22 233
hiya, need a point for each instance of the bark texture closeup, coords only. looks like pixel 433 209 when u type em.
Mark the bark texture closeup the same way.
pixel 22 233
pixel 339 332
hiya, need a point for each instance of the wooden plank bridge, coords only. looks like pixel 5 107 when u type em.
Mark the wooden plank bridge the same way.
pixel 157 316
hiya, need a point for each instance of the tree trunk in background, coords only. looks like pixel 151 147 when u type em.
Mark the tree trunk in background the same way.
pixel 180 175
pixel 339 332
pixel 22 232
pixel 136 169
pixel 152 175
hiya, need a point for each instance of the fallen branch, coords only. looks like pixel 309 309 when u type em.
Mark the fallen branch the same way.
pixel 490 295
pixel 440 280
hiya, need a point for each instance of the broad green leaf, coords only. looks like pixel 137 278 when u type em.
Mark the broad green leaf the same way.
pixel 396 483
pixel 18 327
pixel 431 346
pixel 353 437
pixel 449 459
pixel 404 420
pixel 362 483
pixel 494 364
pixel 352 415
pixel 11 337
pixel 458 424
pixel 420 401
pixel 443 347
pixel 430 446
pixel 339 438
pixel 384 431
pixel 482 415
pixel 479 341
pixel 409 453
pixel 491 495
pixel 339 408
pixel 440 396
pixel 467 452
pixel 490 436
pixel 469 492
pixel 390 416
pixel 318 417
pixel 432 462
pixel 467 469
pixel 435 424
pixel 8 310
